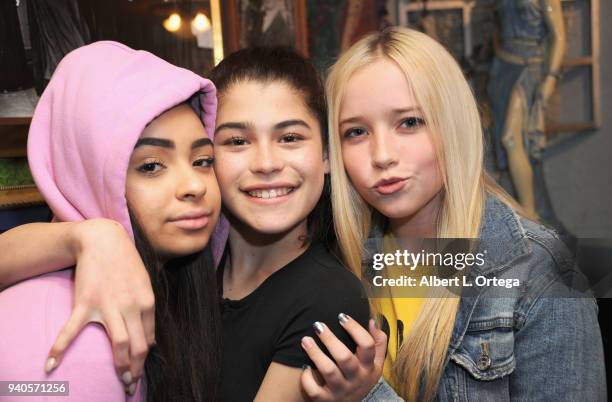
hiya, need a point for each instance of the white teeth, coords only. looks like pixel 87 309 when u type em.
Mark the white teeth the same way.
pixel 272 193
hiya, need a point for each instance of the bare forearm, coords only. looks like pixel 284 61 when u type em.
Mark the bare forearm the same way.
pixel 38 248
pixel 35 249
pixel 281 383
pixel 554 19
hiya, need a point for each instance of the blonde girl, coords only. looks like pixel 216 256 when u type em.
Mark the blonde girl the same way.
pixel 406 156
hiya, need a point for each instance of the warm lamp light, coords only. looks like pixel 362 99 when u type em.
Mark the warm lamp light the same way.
pixel 173 22
pixel 200 23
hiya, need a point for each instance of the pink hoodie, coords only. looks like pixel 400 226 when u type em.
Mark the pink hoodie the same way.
pixel 84 129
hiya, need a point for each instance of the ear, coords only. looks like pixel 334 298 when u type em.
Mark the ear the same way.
pixel 325 162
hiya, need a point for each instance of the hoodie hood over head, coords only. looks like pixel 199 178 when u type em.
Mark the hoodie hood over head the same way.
pixel 89 118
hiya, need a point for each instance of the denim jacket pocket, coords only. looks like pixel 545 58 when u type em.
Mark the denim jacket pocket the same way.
pixel 487 350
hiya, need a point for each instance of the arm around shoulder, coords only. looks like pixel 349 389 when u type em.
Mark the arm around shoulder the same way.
pixel 35 249
pixel 39 248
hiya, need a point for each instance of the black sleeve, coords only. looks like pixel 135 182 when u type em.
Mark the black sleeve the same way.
pixel 336 292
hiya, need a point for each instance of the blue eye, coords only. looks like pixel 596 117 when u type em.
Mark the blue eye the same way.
pixel 413 122
pixel 204 162
pixel 354 132
pixel 151 167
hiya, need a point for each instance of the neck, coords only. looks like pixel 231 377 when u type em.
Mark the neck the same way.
pixel 421 224
pixel 254 256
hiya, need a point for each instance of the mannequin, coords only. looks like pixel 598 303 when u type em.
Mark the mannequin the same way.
pixel 525 72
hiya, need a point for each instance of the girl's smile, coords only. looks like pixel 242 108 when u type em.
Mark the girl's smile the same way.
pixel 270 156
pixel 271 192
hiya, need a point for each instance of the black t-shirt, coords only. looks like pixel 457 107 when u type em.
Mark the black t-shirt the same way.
pixel 268 325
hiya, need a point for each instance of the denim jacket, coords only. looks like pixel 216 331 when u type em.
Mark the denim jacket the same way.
pixel 537 342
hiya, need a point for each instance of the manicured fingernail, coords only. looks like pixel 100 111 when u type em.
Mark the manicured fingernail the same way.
pixel 305 367
pixel 307 342
pixel 127 378
pixel 132 389
pixel 50 364
pixel 319 327
pixel 343 318
pixel 373 323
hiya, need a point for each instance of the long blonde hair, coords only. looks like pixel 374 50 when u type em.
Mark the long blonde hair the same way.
pixel 453 121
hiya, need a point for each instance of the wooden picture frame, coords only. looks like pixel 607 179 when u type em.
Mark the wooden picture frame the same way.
pixel 581 71
pixel 237 15
pixel 217 31
pixel 406 8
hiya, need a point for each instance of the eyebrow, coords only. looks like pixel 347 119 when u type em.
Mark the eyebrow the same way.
pixel 155 142
pixel 406 110
pixel 164 143
pixel 277 126
pixel 357 119
pixel 289 123
pixel 202 142
pixel 232 125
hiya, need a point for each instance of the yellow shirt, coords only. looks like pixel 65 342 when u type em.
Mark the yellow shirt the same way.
pixel 399 312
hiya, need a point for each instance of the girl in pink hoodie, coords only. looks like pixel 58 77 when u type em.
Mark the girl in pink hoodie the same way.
pixel 113 137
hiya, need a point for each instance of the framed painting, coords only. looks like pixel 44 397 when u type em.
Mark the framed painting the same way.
pixel 264 23
pixel 447 21
pixel 334 26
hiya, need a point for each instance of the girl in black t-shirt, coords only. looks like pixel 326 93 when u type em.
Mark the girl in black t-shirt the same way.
pixel 277 278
